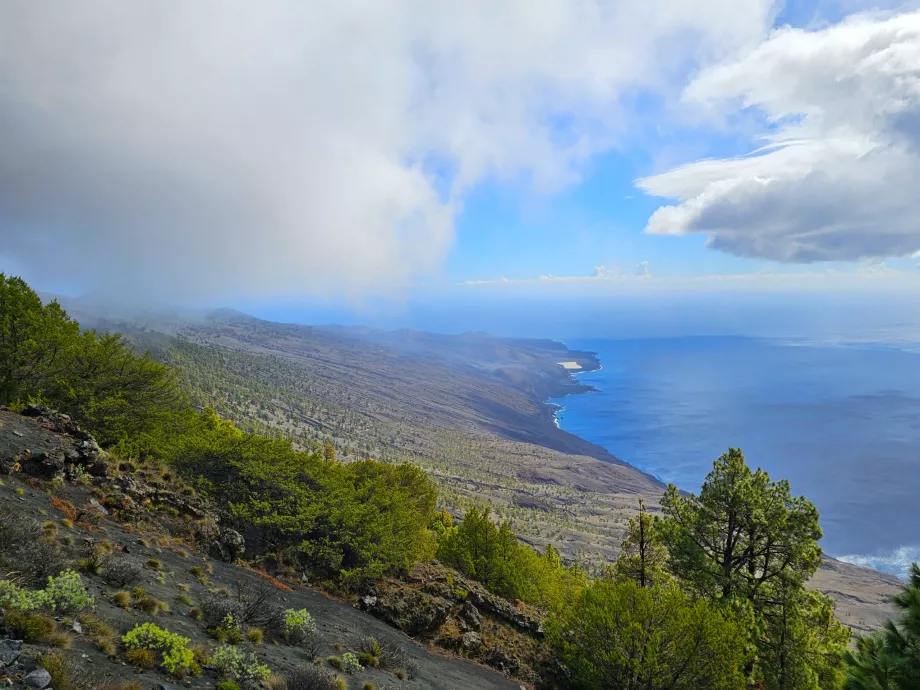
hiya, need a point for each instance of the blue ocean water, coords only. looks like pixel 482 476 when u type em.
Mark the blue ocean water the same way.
pixel 842 424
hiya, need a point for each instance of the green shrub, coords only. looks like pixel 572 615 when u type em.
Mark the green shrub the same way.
pixel 228 631
pixel 350 663
pixel 142 658
pixel 66 593
pixel 171 649
pixel 621 635
pixel 368 660
pixel 28 626
pixel 228 685
pixel 299 626
pixel 237 665
pixel 492 555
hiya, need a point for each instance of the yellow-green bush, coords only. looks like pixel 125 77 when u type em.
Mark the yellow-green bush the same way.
pixel 172 650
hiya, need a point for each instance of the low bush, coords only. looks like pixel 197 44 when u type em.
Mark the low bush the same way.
pixel 255 635
pixel 95 558
pixel 350 664
pixel 66 593
pixel 217 608
pixel 29 626
pixel 122 573
pixel 142 658
pixel 64 674
pixel 234 664
pixel 171 650
pixel 310 677
pixel 228 685
pixel 299 627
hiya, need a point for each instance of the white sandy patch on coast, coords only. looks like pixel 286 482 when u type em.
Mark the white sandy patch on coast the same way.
pixel 571 366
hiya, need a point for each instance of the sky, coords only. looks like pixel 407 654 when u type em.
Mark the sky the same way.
pixel 281 153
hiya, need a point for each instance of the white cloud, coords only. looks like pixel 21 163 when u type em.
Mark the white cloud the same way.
pixel 838 175
pixel 280 147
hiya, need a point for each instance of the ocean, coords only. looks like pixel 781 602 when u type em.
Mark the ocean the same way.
pixel 841 423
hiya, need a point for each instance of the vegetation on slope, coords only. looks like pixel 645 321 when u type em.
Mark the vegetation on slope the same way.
pixel 711 595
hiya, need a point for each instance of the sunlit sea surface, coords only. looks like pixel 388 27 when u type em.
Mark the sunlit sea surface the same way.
pixel 840 422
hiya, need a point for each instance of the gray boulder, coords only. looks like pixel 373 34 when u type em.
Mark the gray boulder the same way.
pixel 9 651
pixel 38 679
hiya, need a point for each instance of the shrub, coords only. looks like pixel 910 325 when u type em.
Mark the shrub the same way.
pixel 67 593
pixel 299 627
pixel 255 635
pixel 25 548
pixel 235 664
pixel 65 507
pixel 14 596
pixel 64 674
pixel 30 627
pixel 618 634
pixel 368 660
pixel 228 631
pixel 123 599
pixel 368 686
pixel 392 656
pixel 370 646
pixel 122 573
pixel 310 677
pixel 60 640
pixel 142 658
pixel 350 663
pixel 217 608
pixel 228 685
pixel 151 606
pixel 335 662
pixel 171 649
pixel 196 614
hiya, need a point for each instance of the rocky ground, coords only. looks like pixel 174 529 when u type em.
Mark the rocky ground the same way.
pixel 154 524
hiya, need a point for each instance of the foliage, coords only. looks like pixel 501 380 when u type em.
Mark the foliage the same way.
pixel 65 593
pixel 642 555
pixel 621 635
pixel 350 663
pixel 96 378
pixel 171 649
pixel 747 543
pixel 35 340
pixel 299 626
pixel 29 626
pixel 492 554
pixel 363 515
pixel 890 659
pixel 237 665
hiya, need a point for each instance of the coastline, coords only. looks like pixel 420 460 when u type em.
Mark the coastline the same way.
pixel 557 382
